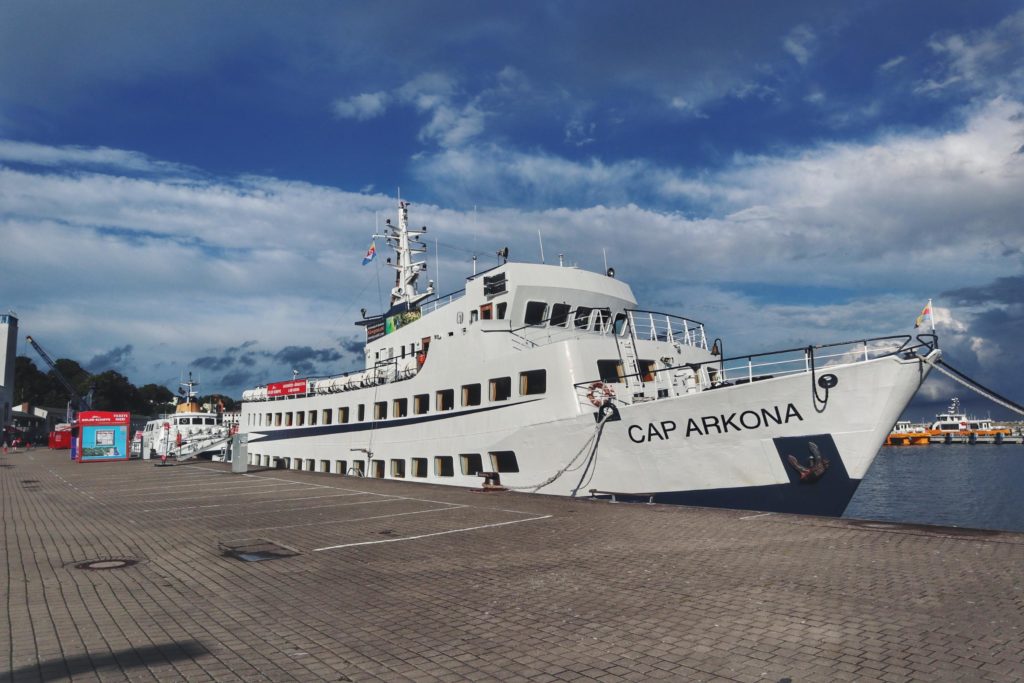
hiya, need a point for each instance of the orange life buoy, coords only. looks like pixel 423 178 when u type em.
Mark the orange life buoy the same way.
pixel 599 392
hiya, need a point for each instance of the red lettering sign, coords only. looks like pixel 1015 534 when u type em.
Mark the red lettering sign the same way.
pixel 295 386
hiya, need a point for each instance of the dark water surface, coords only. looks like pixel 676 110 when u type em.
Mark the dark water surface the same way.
pixel 978 487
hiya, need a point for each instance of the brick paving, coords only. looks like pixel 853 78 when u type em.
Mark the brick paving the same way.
pixel 397 581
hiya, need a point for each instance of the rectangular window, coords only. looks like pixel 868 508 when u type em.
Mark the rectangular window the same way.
pixel 502 307
pixel 343 415
pixel 400 407
pixel 536 311
pixel 533 382
pixel 504 461
pixel 420 404
pixel 398 469
pixel 377 469
pixel 419 467
pixel 341 466
pixel 487 312
pixel 300 418
pixel 444 399
pixel 583 317
pixel 494 284
pixel 325 466
pixel 328 416
pixel 470 394
pixel 501 388
pixel 288 419
pixel 311 420
pixel 647 369
pixel 380 410
pixel 610 370
pixel 444 466
pixel 277 419
pixel 471 464
pixel 361 412
pixel 270 419
pixel 559 315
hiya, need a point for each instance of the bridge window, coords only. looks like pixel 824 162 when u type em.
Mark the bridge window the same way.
pixel 559 315
pixel 535 312
pixel 583 317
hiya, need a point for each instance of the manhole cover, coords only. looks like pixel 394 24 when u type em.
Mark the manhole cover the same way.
pixel 99 565
pixel 255 550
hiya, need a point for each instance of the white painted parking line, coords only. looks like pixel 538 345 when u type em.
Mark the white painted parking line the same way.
pixel 436 533
pixel 763 514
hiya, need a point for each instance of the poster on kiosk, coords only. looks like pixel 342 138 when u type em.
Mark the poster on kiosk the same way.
pixel 103 436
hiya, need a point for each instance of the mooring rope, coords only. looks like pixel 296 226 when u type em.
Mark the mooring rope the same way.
pixel 957 376
pixel 594 438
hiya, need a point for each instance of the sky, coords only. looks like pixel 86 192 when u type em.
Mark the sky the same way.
pixel 191 186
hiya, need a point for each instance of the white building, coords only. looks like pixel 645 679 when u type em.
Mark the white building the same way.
pixel 8 352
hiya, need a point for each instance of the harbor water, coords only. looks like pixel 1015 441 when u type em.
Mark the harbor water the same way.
pixel 971 486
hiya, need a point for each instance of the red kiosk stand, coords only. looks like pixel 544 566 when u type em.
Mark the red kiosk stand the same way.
pixel 102 436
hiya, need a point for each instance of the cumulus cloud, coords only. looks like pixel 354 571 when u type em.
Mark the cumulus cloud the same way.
pixel 985 61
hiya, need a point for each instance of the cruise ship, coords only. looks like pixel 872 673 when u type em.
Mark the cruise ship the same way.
pixel 552 380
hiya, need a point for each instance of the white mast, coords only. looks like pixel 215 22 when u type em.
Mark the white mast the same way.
pixel 406 243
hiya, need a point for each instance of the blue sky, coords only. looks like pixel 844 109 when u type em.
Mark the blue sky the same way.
pixel 191 185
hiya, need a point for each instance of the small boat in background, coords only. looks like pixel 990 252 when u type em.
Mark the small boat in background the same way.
pixel 906 433
pixel 956 423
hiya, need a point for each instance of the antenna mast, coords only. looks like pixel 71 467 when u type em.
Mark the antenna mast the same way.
pixel 406 244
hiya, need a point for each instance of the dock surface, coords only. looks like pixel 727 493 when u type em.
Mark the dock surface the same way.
pixel 130 571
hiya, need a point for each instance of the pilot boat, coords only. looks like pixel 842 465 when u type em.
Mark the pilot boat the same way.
pixel 552 380
pixel 190 432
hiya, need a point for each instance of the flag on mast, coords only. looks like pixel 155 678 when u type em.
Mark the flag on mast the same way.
pixel 926 314
pixel 371 253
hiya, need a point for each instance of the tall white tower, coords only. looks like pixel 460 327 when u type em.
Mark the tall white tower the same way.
pixel 8 352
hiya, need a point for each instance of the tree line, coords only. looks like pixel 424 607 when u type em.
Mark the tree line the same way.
pixel 110 389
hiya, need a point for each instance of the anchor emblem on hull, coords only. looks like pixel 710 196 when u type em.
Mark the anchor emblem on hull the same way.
pixel 816 467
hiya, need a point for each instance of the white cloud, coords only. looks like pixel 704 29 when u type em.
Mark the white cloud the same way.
pixel 892 63
pixel 362 107
pixel 800 44
pixel 989 61
pixel 14 151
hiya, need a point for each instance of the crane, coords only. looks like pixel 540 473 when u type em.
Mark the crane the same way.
pixel 76 400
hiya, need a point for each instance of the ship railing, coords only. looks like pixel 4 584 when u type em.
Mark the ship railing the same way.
pixel 676 380
pixel 441 301
pixel 646 326
pixel 654 326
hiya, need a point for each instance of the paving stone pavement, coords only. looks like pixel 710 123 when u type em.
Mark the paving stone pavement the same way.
pixel 385 580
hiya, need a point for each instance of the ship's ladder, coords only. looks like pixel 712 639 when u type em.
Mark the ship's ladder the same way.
pixel 626 343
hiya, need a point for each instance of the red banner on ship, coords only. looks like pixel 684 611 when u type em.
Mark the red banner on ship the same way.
pixel 295 386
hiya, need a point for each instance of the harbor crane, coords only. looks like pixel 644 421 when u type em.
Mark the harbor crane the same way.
pixel 77 400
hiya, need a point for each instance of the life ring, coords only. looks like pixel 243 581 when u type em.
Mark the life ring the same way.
pixel 599 392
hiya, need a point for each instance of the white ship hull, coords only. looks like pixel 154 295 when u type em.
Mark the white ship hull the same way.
pixel 549 380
